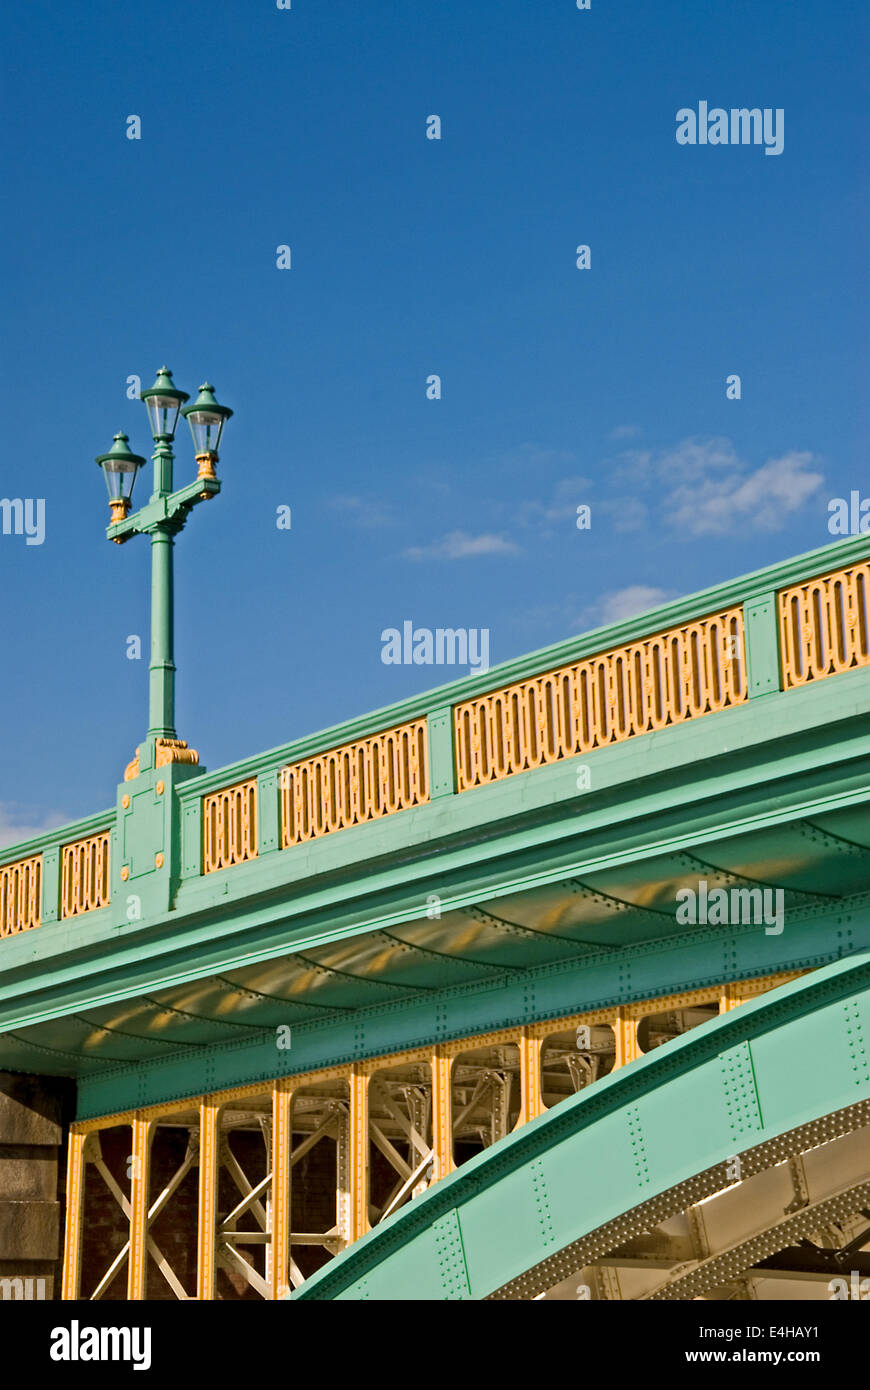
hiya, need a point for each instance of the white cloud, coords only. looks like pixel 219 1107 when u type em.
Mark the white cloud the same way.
pixel 717 495
pixel 562 505
pixel 626 513
pixel 619 604
pixel 628 602
pixel 625 432
pixel 459 545
pixel 18 823
pixel 363 512
pixel 703 487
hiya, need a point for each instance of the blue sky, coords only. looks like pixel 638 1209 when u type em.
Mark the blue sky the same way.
pixel 263 127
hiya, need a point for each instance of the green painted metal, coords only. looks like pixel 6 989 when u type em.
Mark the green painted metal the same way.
pixel 162 519
pixel 164 388
pixel 442 773
pixel 761 633
pixel 786 778
pixel 794 1056
pixel 504 841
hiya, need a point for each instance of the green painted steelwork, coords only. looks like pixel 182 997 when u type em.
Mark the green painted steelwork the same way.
pixel 176 985
pixel 800 792
pixel 500 1224
pixel 162 519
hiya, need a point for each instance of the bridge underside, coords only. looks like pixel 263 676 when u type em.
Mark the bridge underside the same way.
pixel 574 938
pixel 718 1166
pixel 295 1040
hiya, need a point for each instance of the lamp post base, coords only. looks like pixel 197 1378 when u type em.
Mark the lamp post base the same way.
pixel 166 750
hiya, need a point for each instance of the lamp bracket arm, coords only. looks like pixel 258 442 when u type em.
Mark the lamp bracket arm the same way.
pixel 168 513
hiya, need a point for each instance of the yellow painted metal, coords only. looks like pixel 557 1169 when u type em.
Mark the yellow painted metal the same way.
pixel 84 880
pixel 531 1042
pixel 20 895
pixel 166 751
pixel 676 675
pixel 359 1151
pixel 282 1137
pixel 442 1113
pixel 625 1033
pixel 142 1133
pixel 229 819
pixel 206 1263
pixel 72 1245
pixel 824 625
pixel 529 1039
pixel 356 783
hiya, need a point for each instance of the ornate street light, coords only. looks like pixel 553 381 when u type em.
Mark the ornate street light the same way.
pixel 162 518
pixel 206 419
pixel 163 401
pixel 120 468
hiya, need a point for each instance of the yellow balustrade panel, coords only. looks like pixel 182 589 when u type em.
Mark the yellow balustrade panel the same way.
pixel 355 783
pixel 824 625
pixel 84 879
pixel 229 819
pixel 666 679
pixel 20 895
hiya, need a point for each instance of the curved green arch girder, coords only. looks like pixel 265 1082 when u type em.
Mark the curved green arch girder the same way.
pixel 734 1086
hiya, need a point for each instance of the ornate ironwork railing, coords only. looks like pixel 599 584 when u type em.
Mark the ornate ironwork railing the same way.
pixel 824 625
pixel 662 680
pixel 84 878
pixel 355 783
pixel 229 826
pixel 20 895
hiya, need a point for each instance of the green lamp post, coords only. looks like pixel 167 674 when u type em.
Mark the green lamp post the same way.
pixel 162 518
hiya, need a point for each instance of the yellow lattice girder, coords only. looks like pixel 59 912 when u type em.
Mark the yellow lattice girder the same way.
pixel 206 1260
pixel 72 1245
pixel 359 1150
pixel 143 1131
pixel 282 1138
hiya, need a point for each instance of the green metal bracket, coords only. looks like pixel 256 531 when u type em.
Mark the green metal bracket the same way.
pixel 150 854
pixel 191 837
pixel 442 778
pixel 268 812
pixel 171 510
pixel 50 884
pixel 761 635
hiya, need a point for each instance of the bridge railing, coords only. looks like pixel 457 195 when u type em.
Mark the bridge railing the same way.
pixel 824 625
pixel 64 873
pixel 771 631
pixel 776 630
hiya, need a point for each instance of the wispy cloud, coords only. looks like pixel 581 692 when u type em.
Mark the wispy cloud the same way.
pixel 618 604
pixel 363 511
pixel 560 506
pixel 625 432
pixel 703 487
pixel 20 823
pixel 759 500
pixel 459 545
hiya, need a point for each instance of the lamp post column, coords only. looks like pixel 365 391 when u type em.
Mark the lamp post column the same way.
pixel 161 694
pixel 161 705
